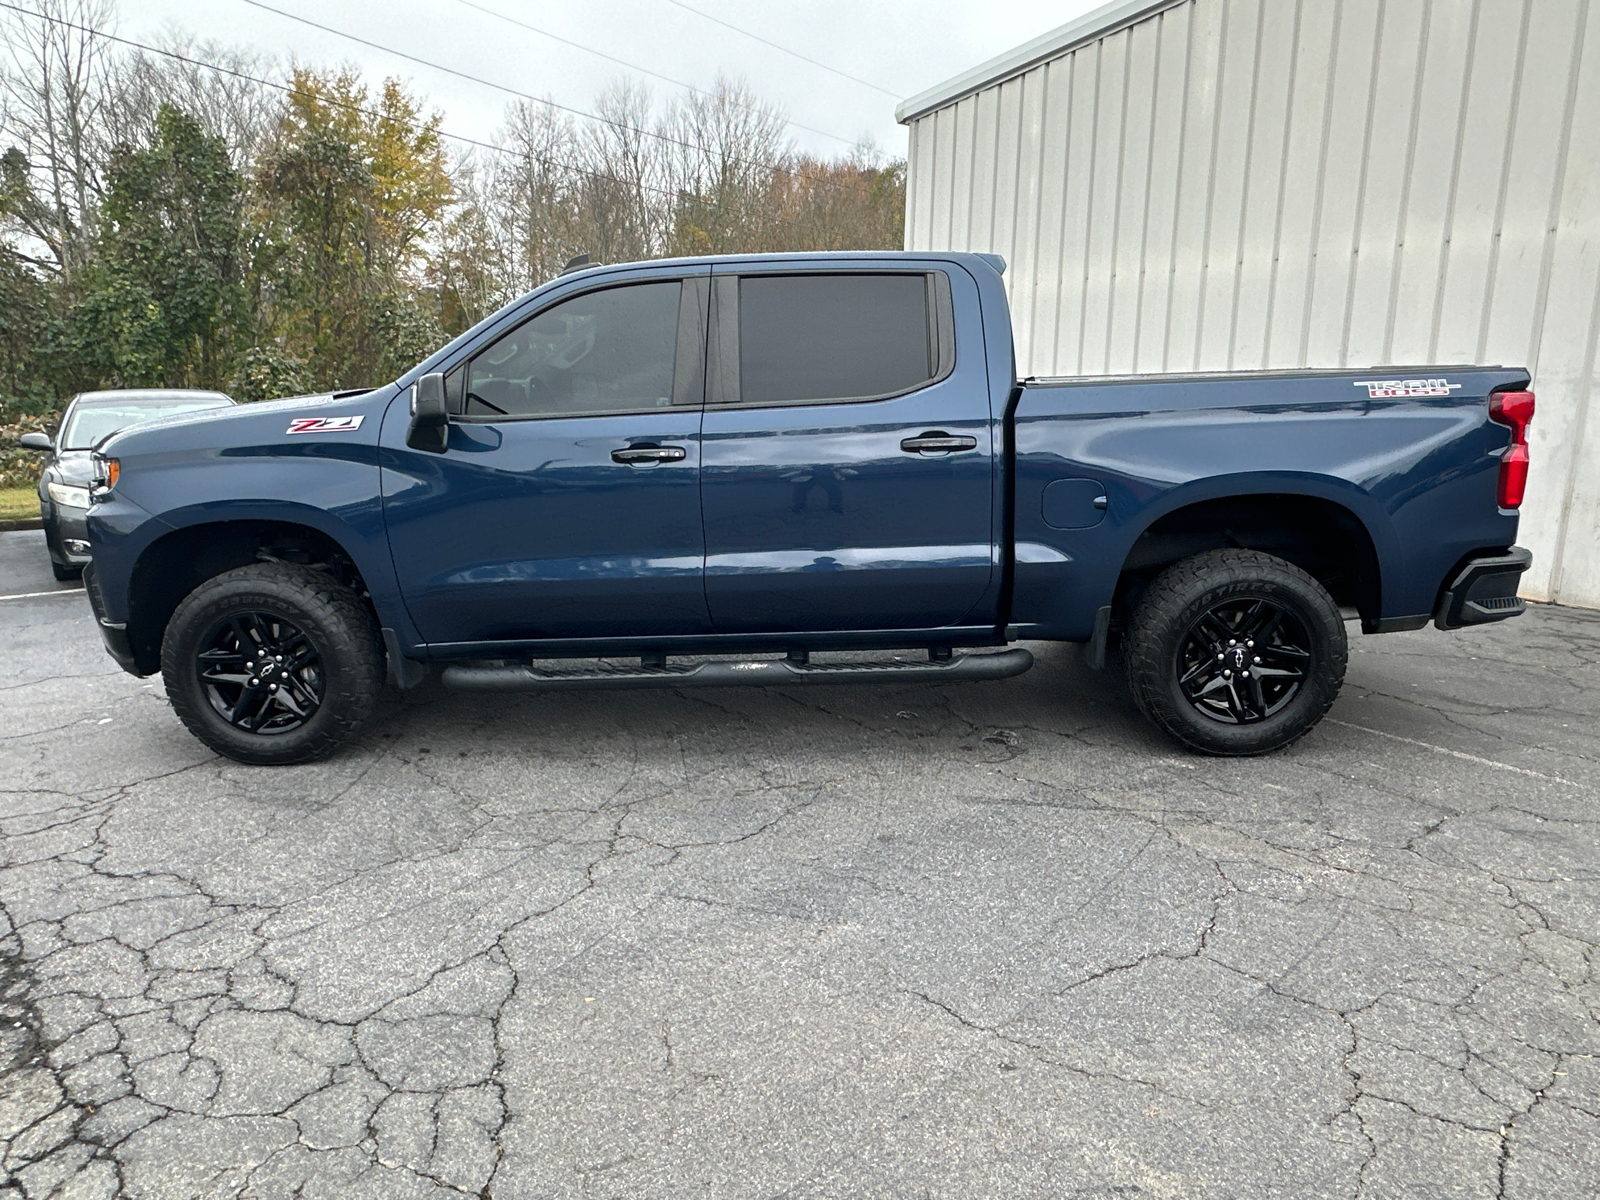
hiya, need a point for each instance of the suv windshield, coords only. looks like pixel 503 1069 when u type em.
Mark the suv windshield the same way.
pixel 93 422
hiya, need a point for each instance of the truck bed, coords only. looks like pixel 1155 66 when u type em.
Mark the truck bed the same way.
pixel 1394 466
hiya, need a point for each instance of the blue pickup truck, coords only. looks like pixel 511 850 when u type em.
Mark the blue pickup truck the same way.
pixel 703 472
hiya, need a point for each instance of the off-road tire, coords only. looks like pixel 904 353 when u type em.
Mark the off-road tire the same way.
pixel 334 621
pixel 1179 597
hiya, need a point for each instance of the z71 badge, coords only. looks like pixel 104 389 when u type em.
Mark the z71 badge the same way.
pixel 325 424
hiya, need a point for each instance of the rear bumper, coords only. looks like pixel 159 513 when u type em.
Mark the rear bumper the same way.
pixel 113 633
pixel 1484 590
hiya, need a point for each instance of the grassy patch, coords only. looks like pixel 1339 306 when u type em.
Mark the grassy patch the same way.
pixel 18 502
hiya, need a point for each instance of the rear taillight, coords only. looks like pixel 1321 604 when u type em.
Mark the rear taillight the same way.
pixel 1514 410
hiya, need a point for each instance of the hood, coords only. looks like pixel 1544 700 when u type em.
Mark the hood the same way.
pixel 71 466
pixel 261 423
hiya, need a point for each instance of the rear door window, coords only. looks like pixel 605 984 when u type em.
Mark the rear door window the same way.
pixel 823 337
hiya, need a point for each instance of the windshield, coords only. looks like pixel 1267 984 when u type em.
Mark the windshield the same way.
pixel 93 422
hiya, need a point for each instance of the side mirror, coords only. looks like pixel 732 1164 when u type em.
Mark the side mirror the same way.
pixel 430 424
pixel 36 441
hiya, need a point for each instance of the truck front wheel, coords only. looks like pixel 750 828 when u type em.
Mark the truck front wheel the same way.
pixel 1235 652
pixel 272 663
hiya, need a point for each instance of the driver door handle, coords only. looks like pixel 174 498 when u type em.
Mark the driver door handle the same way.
pixel 649 454
pixel 937 439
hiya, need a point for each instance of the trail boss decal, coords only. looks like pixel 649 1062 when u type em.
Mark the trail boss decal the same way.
pixel 1378 388
pixel 325 424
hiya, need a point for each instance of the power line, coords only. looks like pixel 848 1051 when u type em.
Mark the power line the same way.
pixel 622 126
pixel 794 53
pixel 669 193
pixel 332 100
pixel 634 66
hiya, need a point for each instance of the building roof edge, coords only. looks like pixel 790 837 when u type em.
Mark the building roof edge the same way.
pixel 1106 19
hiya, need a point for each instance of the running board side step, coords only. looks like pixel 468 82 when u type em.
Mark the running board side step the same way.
pixel 760 672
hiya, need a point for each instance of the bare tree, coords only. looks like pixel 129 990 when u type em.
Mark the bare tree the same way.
pixel 52 99
pixel 620 179
pixel 214 83
pixel 534 193
pixel 472 271
pixel 721 152
pixel 713 173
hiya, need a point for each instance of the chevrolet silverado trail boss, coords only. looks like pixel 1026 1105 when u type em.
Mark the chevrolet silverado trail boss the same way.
pixel 755 457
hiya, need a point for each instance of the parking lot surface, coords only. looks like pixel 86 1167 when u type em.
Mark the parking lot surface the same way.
pixel 971 940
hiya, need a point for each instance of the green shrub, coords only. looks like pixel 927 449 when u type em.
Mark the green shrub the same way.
pixel 19 415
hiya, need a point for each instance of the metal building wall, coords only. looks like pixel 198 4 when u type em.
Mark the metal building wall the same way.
pixel 1237 184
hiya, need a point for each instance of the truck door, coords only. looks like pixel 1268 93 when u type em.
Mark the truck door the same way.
pixel 567 504
pixel 848 450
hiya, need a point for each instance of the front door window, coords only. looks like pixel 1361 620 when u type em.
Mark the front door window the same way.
pixel 609 351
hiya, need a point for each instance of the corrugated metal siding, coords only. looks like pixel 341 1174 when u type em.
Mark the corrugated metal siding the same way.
pixel 1233 184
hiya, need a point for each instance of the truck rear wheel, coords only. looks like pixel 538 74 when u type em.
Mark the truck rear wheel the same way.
pixel 272 663
pixel 1235 652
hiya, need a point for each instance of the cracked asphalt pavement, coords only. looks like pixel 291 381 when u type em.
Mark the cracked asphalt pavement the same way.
pixel 960 941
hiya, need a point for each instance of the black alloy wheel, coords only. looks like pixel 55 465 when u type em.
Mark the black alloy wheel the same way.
pixel 1235 652
pixel 273 663
pixel 1243 660
pixel 261 673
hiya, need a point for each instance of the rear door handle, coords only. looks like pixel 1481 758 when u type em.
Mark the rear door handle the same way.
pixel 937 439
pixel 649 454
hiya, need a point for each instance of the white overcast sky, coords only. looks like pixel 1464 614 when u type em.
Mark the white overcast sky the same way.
pixel 904 46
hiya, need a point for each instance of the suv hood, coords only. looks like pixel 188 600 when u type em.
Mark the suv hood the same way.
pixel 71 466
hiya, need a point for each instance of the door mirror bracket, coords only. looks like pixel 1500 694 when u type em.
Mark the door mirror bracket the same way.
pixel 430 423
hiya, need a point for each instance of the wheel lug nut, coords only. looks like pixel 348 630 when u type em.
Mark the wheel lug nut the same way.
pixel 1258 658
pixel 273 688
pixel 1219 654
pixel 1227 674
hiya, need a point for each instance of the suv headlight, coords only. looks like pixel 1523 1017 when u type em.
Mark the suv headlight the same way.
pixel 68 496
